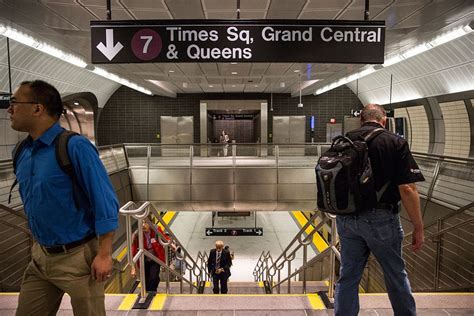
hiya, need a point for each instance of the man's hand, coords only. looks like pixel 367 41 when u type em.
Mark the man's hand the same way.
pixel 101 267
pixel 418 239
pixel 133 272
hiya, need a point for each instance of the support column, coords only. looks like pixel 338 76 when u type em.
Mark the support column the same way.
pixel 203 128
pixel 264 127
pixel 436 126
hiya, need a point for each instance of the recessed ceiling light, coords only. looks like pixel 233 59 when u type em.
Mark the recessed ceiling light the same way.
pixel 185 84
pixel 233 86
pixel 296 70
pixel 234 72
pixel 211 86
pixel 256 86
pixel 170 70
pixel 233 63
pixel 76 103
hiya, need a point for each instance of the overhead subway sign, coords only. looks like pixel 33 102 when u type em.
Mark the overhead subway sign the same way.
pixel 238 41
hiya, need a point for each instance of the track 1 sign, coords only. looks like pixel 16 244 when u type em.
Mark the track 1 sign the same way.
pixel 305 41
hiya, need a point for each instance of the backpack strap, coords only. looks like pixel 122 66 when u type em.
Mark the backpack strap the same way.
pixel 16 154
pixel 372 134
pixel 64 162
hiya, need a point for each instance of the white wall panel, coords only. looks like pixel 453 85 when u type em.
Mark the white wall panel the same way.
pixel 445 69
pixel 420 131
pixel 30 64
pixel 457 129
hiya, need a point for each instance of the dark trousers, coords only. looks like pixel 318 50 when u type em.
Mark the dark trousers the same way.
pixel 222 279
pixel 152 276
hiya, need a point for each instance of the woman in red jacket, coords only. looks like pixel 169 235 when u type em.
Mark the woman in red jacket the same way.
pixel 150 243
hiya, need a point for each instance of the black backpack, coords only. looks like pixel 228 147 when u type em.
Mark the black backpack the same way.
pixel 344 176
pixel 62 157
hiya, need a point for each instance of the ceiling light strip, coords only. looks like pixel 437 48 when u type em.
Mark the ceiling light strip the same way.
pixel 396 58
pixel 43 47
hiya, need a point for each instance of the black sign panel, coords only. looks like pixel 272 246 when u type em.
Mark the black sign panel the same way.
pixel 303 41
pixel 257 231
pixel 4 100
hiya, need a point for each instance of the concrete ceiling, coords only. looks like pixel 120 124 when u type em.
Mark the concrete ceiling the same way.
pixel 66 23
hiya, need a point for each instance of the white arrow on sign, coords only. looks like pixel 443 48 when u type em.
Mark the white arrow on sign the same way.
pixel 109 50
pixel 208 232
pixel 259 232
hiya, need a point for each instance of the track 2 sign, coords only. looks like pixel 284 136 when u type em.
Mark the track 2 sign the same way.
pixel 257 231
pixel 238 41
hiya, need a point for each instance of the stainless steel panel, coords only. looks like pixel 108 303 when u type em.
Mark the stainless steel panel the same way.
pixel 115 180
pixel 297 128
pixel 296 205
pixel 138 176
pixel 139 192
pixel 172 206
pixel 185 131
pixel 351 123
pixel 208 206
pixel 255 175
pixel 170 176
pixel 255 206
pixel 125 178
pixel 281 129
pixel 169 129
pixel 293 175
pixel 288 192
pixel 255 192
pixel 333 130
pixel 212 176
pixel 264 123
pixel 172 192
pixel 212 192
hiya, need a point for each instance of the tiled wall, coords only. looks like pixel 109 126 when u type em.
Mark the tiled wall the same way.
pixel 240 131
pixel 420 131
pixel 458 132
pixel 8 136
pixel 130 116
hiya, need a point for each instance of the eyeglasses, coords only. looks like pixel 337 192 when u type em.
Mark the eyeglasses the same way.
pixel 13 102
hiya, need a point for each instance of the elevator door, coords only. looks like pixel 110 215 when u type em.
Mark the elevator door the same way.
pixel 289 130
pixel 176 129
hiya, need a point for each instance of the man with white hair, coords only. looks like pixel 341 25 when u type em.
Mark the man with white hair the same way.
pixel 218 265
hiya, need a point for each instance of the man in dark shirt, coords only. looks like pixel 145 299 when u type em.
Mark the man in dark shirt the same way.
pixel 379 230
pixel 72 245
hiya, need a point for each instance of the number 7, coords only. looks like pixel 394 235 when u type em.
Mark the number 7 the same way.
pixel 148 39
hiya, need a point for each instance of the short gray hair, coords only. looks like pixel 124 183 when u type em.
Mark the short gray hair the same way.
pixel 372 112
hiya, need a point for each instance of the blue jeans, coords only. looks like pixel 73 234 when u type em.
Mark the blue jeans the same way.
pixel 379 232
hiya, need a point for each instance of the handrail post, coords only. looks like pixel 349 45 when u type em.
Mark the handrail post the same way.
pixel 191 281
pixel 167 249
pixel 191 154
pixel 148 160
pixel 438 256
pixel 305 260
pixel 279 279
pixel 142 264
pixel 277 156
pixel 289 279
pixel 332 259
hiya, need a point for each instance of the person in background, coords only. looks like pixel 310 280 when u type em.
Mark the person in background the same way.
pixel 152 244
pixel 218 265
pixel 72 245
pixel 224 140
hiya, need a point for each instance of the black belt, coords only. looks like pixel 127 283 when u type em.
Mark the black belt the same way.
pixel 385 206
pixel 66 247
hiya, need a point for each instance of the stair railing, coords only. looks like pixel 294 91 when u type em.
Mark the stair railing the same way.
pixel 170 242
pixel 266 268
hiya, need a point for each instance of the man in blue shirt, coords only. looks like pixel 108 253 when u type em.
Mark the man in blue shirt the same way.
pixel 73 241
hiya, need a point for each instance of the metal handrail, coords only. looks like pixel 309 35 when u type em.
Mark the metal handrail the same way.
pixel 266 267
pixel 130 210
pixel 13 212
pixel 436 255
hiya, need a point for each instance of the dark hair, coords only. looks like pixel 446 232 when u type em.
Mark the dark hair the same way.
pixel 372 112
pixel 47 95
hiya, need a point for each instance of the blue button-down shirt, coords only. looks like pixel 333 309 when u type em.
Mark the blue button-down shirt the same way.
pixel 47 194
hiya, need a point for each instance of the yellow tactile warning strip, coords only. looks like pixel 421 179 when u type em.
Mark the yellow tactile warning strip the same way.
pixel 315 301
pixel 158 302
pixel 318 241
pixel 128 302
pixel 260 283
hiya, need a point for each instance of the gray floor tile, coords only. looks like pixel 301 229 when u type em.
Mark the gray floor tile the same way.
pixel 460 312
